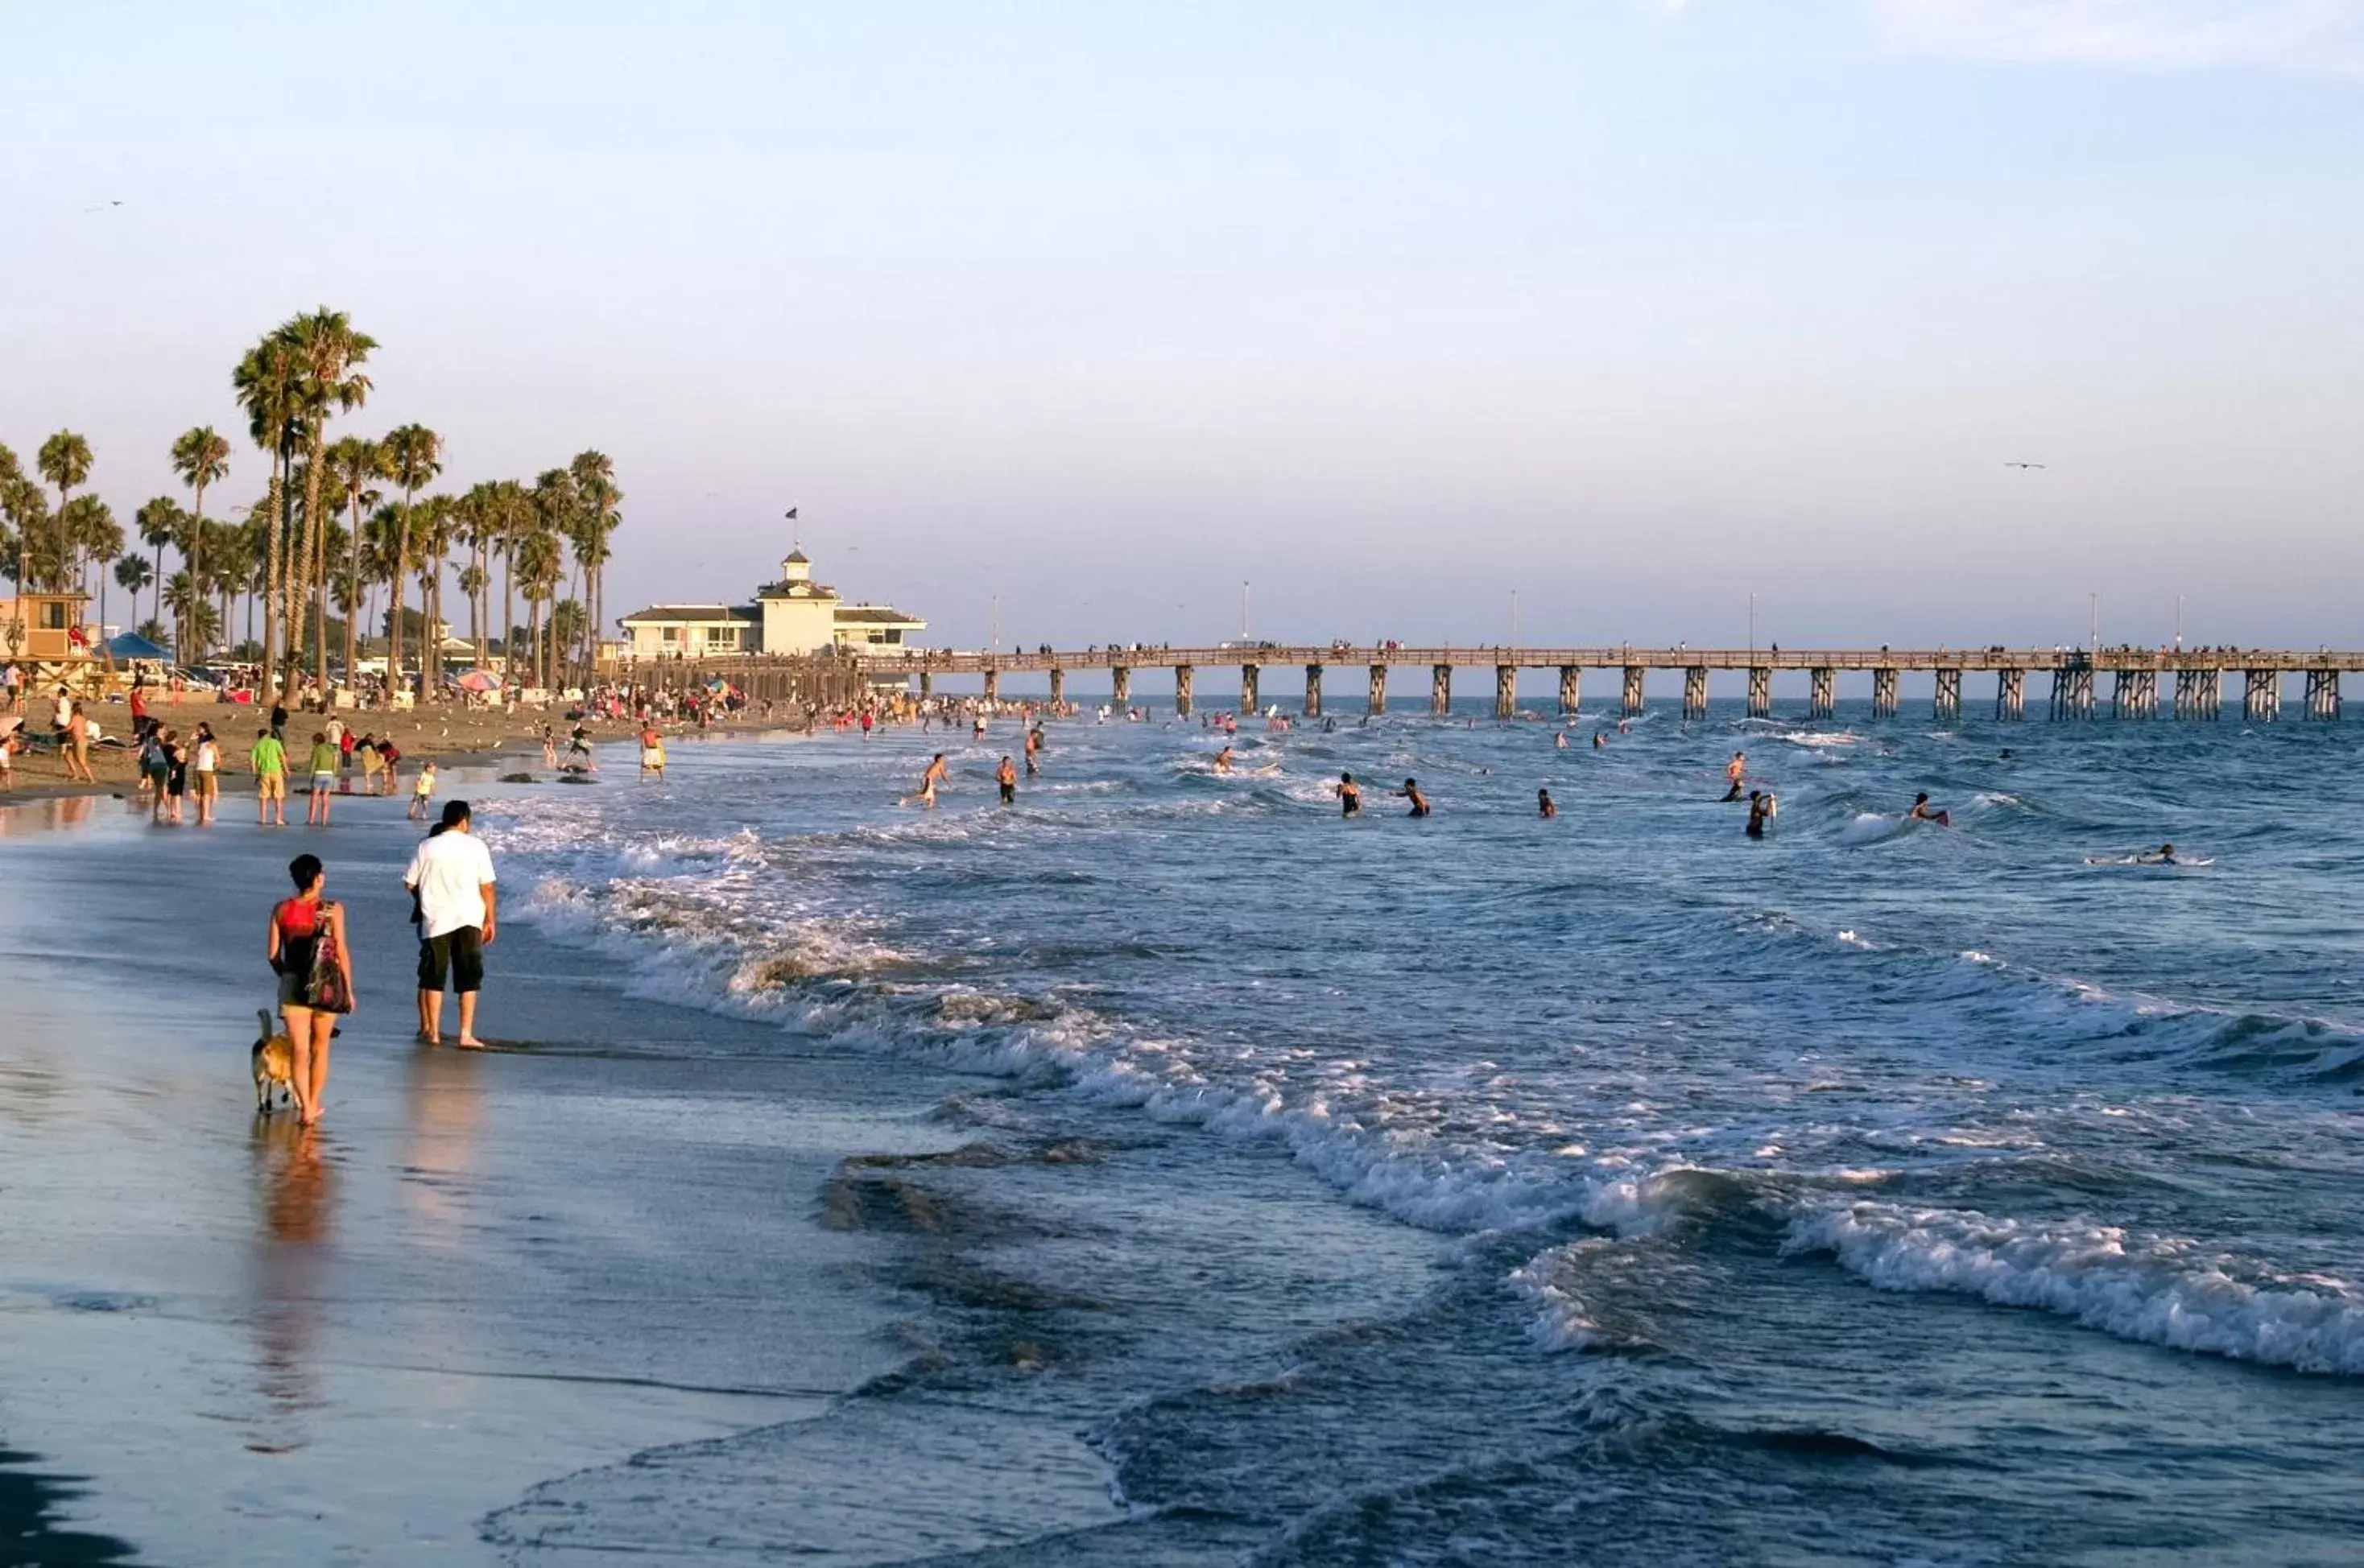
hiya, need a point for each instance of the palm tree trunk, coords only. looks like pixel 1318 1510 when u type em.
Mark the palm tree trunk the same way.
pixel 271 501
pixel 401 587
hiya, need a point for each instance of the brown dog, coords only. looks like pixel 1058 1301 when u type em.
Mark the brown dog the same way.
pixel 273 1059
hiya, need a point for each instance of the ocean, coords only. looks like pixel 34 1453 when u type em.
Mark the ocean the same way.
pixel 1490 1189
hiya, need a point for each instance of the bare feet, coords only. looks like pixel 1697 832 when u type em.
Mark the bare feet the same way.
pixel 470 1043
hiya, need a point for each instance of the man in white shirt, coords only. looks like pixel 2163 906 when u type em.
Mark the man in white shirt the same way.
pixel 452 876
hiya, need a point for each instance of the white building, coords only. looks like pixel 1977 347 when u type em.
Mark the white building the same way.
pixel 794 614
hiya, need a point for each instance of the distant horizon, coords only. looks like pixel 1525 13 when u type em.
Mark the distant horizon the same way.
pixel 1636 308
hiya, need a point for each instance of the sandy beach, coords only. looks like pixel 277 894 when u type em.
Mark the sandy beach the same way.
pixel 450 735
pixel 231 1341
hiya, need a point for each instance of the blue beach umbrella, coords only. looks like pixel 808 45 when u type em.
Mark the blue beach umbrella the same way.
pixel 131 645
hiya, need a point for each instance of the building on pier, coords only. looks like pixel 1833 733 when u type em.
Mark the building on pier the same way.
pixel 793 615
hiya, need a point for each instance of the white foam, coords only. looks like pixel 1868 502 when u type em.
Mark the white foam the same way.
pixel 2157 1290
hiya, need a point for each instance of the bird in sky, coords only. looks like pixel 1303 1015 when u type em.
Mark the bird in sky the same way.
pixel 102 206
pixel 2025 466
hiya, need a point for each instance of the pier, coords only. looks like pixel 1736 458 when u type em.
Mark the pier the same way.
pixel 2074 675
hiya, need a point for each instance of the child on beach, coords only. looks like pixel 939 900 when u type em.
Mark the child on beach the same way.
pixel 423 792
pixel 373 765
pixel 324 779
pixel 204 767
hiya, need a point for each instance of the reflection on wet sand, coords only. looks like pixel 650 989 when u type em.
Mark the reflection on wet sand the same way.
pixel 44 816
pixel 444 1104
pixel 296 1201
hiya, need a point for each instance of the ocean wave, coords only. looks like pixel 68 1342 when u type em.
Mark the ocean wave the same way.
pixel 2156 1290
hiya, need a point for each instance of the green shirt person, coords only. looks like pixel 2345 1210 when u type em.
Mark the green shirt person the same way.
pixel 269 761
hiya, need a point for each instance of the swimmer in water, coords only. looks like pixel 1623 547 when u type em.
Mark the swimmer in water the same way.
pixel 1559 741
pixel 1034 751
pixel 1006 777
pixel 1921 812
pixel 1600 738
pixel 2166 857
pixel 1760 811
pixel 1734 772
pixel 1223 761
pixel 1543 805
pixel 932 777
pixel 1350 795
pixel 1411 792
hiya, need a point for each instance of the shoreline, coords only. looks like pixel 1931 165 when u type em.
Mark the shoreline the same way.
pixel 457 739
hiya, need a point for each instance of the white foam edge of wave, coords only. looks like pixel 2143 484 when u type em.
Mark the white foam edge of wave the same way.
pixel 2155 1291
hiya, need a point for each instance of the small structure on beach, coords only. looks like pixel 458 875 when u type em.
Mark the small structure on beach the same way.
pixel 794 615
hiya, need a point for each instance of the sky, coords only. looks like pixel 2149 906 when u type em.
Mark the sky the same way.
pixel 1629 308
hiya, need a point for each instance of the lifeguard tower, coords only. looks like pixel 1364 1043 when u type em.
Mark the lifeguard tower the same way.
pixel 44 633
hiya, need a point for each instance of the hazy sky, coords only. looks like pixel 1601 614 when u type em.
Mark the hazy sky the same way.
pixel 1633 306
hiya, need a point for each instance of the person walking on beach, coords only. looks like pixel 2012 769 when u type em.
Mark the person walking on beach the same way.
pixel 324 779
pixel 308 952
pixel 176 774
pixel 77 747
pixel 269 759
pixel 452 874
pixel 1006 777
pixel 422 795
pixel 204 767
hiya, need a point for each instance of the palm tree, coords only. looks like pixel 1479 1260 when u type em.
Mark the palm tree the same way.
pixel 471 583
pixel 90 534
pixel 415 456
pixel 185 596
pixel 65 462
pixel 539 564
pixel 479 520
pixel 595 479
pixel 267 381
pixel 355 463
pixel 201 457
pixel 133 573
pixel 160 522
pixel 434 524
pixel 328 352
pixel 513 518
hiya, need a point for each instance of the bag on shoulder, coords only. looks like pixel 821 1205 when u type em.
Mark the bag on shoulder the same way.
pixel 325 990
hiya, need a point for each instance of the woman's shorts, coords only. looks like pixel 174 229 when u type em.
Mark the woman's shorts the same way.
pixel 291 990
pixel 323 782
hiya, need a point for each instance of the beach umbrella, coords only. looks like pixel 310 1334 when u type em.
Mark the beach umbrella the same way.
pixel 131 645
pixel 480 681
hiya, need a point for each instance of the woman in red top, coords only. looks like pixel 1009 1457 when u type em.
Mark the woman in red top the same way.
pixel 298 928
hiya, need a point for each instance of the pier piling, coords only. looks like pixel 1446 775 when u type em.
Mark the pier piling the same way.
pixel 1249 701
pixel 1633 673
pixel 1695 692
pixel 2323 696
pixel 992 684
pixel 1883 692
pixel 1439 690
pixel 2011 694
pixel 1120 678
pixel 1821 697
pixel 1760 691
pixel 1378 690
pixel 1313 691
pixel 2072 691
pixel 1947 707
pixel 1184 675
pixel 1058 688
pixel 1506 692
pixel 1571 690
pixel 2261 695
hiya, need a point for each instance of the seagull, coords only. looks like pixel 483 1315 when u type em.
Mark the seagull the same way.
pixel 102 206
pixel 2024 465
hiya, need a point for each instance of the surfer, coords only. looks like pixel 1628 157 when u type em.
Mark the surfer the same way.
pixel 1350 795
pixel 1921 812
pixel 1543 805
pixel 1411 792
pixel 1006 777
pixel 1734 771
pixel 2165 857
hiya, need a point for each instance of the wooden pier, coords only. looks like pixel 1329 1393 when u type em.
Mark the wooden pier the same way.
pixel 2074 673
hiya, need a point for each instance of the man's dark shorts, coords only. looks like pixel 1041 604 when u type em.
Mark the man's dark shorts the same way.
pixel 459 953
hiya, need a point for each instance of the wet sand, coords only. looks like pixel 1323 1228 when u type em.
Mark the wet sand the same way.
pixel 484 1273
